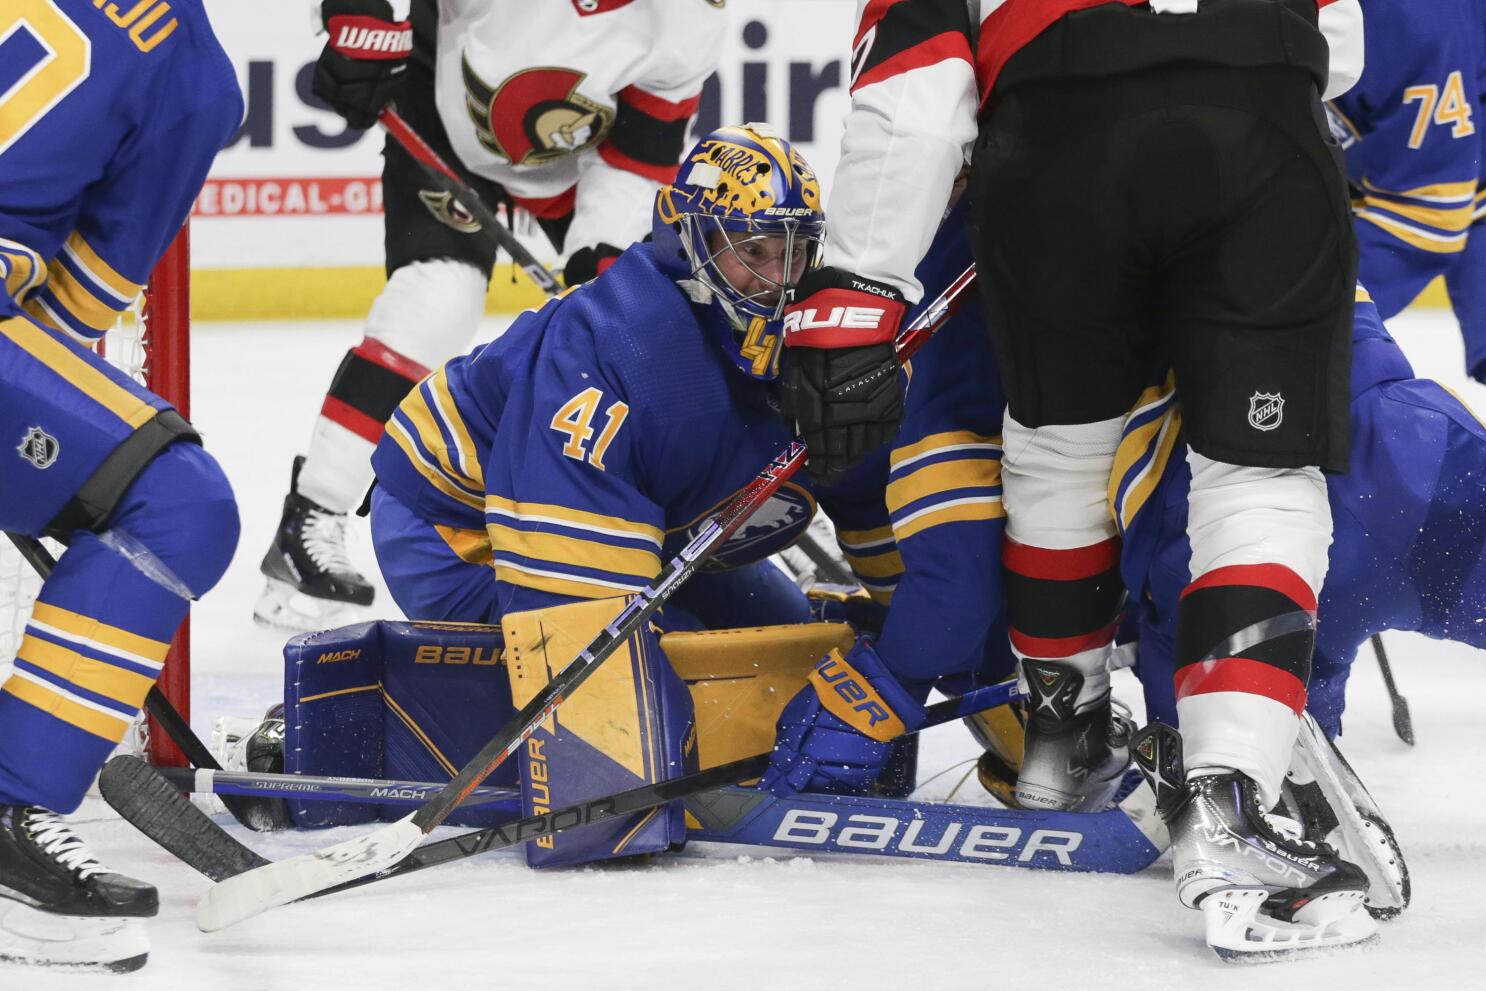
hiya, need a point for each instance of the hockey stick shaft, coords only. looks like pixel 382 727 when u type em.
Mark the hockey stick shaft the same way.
pixel 444 175
pixel 155 702
pixel 320 788
pixel 642 798
pixel 1403 720
pixel 241 897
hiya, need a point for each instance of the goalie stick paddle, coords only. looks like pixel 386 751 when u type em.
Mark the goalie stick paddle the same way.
pixel 439 171
pixel 256 891
pixel 155 806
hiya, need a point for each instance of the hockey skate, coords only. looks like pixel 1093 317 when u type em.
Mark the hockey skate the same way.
pixel 1077 743
pixel 256 746
pixel 1332 805
pixel 59 907
pixel 1265 895
pixel 312 584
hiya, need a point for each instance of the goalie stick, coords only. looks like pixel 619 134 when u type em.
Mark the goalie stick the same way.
pixel 248 894
pixel 445 177
pixel 1119 840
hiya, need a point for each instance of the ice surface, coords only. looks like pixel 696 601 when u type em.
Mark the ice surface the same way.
pixel 723 917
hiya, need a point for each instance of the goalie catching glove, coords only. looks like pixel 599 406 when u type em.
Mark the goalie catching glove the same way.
pixel 365 59
pixel 839 373
pixel 837 734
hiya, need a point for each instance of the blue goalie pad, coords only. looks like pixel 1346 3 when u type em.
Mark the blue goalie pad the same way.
pixel 388 699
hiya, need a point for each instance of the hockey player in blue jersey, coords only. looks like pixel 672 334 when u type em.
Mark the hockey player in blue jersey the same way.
pixel 1413 143
pixel 109 119
pixel 580 450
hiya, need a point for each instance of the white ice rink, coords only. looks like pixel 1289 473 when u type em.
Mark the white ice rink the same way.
pixel 723 917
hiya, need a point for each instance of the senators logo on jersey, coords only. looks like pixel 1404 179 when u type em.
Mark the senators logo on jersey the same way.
pixel 534 116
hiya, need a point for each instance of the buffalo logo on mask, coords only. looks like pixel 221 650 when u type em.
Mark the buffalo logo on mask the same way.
pixel 1266 410
pixel 39 447
pixel 447 210
pixel 534 116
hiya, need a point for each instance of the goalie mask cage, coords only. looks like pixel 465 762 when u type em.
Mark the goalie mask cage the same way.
pixel 150 342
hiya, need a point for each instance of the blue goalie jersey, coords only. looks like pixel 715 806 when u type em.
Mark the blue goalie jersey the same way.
pixel 110 115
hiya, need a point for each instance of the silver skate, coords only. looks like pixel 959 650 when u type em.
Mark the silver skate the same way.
pixel 1265 895
pixel 1077 745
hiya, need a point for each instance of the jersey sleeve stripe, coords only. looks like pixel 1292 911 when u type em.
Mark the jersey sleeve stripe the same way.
pixel 420 409
pixel 1447 219
pixel 577 519
pixel 109 282
pixel 106 684
pixel 942 478
pixel 21 268
pixel 969 509
pixel 655 172
pixel 421 463
pixel 569 552
pixel 1439 192
pixel 941 48
pixel 454 426
pixel 857 541
pixel 60 358
pixel 1418 237
pixel 1149 451
pixel 952 440
pixel 658 106
pixel 49 312
pixel 888 564
pixel 893 38
pixel 514 573
pixel 112 639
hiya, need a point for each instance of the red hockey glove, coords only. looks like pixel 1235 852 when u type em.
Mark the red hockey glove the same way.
pixel 839 372
pixel 364 61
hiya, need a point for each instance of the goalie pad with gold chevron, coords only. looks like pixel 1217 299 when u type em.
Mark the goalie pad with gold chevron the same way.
pixel 630 723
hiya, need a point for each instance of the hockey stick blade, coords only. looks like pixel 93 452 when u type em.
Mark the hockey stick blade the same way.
pixel 1403 721
pixel 136 791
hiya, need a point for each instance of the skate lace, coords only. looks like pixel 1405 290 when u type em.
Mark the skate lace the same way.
pixel 50 833
pixel 324 540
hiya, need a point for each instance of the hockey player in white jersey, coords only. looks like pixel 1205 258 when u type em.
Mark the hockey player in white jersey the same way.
pixel 1144 176
pixel 573 111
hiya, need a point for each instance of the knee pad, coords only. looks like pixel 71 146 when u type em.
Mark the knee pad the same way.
pixel 429 310
pixel 177 522
pixel 1055 480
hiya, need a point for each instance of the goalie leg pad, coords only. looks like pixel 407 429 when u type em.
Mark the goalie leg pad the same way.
pixel 413 701
pixel 630 723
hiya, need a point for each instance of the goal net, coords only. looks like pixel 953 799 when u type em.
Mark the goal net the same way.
pixel 149 343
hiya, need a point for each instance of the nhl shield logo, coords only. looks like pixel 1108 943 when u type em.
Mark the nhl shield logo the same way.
pixel 39 447
pixel 1266 410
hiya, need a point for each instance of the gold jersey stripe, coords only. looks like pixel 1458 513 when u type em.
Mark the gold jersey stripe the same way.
pixel 74 369
pixel 1454 218
pixel 574 551
pixel 108 727
pixel 859 539
pixel 101 271
pixel 557 585
pixel 942 477
pixel 1139 493
pixel 472 546
pixel 1439 244
pixel 425 421
pixel 954 513
pixel 952 439
pixel 1441 192
pixel 106 636
pixel 128 687
pixel 540 512
pixel 877 565
pixel 432 474
pixel 79 301
pixel 438 384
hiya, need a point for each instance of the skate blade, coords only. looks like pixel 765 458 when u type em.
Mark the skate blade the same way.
pixel 284 607
pixel 1238 933
pixel 78 944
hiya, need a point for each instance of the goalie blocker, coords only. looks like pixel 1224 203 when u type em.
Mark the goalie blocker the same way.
pixel 417 700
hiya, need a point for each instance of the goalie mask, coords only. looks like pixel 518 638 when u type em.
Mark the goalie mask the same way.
pixel 737 228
